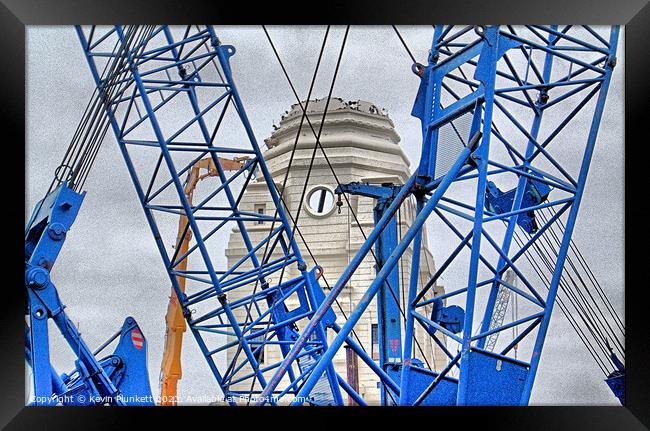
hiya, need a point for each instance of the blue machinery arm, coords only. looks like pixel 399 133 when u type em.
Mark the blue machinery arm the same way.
pixel 117 379
pixel 475 77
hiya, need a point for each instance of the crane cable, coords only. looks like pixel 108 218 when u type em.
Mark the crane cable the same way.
pixel 350 209
pixel 605 327
pixel 91 130
pixel 600 351
pixel 570 317
pixel 401 39
pixel 311 162
pixel 303 117
pixel 320 130
pixel 319 145
pixel 267 254
pixel 317 136
pixel 594 280
pixel 77 144
pixel 115 92
pixel 575 300
pixel 599 325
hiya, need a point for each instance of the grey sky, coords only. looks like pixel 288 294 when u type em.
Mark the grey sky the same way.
pixel 110 268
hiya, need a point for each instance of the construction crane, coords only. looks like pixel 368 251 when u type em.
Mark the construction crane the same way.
pixel 165 95
pixel 170 369
pixel 500 308
pixel 197 70
pixel 449 156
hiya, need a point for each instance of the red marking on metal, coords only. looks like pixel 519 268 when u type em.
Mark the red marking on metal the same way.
pixel 137 339
pixel 394 344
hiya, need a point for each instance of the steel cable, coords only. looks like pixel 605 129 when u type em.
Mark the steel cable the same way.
pixel 600 323
pixel 349 206
pixel 570 318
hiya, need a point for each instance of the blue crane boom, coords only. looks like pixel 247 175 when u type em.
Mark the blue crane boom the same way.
pixel 177 95
pixel 192 74
pixel 484 377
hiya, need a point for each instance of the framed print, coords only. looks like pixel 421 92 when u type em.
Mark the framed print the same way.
pixel 367 211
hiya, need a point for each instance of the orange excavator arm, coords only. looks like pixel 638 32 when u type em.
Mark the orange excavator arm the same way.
pixel 170 369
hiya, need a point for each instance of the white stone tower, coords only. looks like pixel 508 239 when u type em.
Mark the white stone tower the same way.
pixel 361 144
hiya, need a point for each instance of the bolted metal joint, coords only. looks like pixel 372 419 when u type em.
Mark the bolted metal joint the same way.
pixel 543 97
pixel 56 231
pixel 44 263
pixel 611 61
pixel 39 313
pixel 37 278
pixel 419 69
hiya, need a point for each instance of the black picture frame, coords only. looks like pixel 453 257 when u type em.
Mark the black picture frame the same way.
pixel 634 14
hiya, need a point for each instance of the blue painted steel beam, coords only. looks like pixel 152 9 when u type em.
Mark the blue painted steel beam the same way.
pixel 388 302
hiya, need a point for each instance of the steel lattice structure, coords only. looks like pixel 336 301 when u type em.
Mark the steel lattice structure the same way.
pixel 191 75
pixel 482 98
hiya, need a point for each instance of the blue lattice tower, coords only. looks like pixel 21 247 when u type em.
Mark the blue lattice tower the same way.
pixel 482 100
pixel 179 105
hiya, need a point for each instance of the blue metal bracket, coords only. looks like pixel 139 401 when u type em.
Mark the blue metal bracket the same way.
pixel 451 318
pixel 45 234
pixel 535 193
